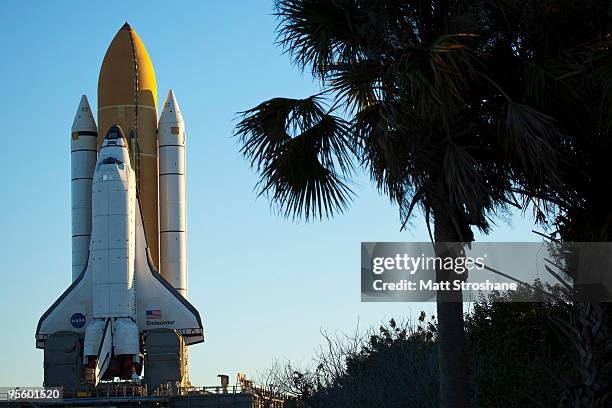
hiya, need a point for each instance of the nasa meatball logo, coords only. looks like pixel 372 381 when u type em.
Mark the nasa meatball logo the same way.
pixel 77 320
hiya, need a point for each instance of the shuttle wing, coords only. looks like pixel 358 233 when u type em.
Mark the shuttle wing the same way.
pixel 159 305
pixel 70 312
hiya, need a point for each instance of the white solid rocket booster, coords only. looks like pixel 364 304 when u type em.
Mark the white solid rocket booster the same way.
pixel 173 236
pixel 83 154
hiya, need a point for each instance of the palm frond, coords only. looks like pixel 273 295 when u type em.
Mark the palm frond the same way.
pixel 264 128
pixel 599 57
pixel 302 154
pixel 357 85
pixel 434 77
pixel 466 187
pixel 382 150
pixel 317 33
pixel 530 139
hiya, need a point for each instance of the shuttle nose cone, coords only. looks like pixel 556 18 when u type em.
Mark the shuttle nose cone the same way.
pixel 115 132
pixel 115 146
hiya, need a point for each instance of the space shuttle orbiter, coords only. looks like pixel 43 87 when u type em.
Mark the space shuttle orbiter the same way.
pixel 128 221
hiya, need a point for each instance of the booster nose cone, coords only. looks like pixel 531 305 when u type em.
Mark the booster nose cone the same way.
pixel 171 114
pixel 84 120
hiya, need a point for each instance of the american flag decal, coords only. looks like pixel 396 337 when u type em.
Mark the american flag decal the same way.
pixel 153 314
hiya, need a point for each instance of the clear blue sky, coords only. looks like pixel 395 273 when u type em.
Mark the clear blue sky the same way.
pixel 264 286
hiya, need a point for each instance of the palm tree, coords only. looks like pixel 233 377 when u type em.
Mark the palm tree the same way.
pixel 565 48
pixel 412 92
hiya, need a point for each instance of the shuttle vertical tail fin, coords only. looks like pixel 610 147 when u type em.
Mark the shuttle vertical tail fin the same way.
pixel 106 350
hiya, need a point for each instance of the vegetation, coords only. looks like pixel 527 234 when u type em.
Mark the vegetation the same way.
pixel 425 108
pixel 458 108
pixel 518 359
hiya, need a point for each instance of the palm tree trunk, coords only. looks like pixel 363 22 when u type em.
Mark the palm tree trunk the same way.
pixel 590 338
pixel 452 348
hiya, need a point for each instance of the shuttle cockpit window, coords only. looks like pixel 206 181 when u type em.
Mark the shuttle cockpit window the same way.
pixel 112 160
